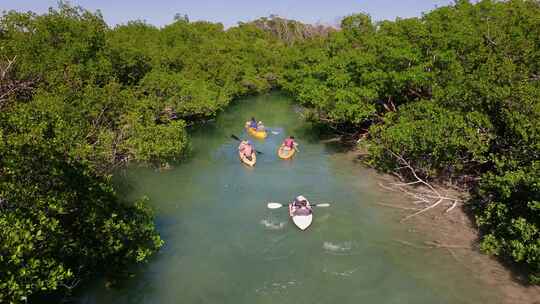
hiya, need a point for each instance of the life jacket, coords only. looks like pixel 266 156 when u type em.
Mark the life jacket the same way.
pixel 302 211
pixel 289 143
pixel 253 124
pixel 247 149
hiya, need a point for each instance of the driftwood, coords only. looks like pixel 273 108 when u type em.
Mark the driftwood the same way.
pixel 434 244
pixel 420 190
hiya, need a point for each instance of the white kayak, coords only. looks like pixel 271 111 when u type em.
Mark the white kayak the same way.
pixel 301 218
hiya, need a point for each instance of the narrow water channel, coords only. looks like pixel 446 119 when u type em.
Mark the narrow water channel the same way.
pixel 224 246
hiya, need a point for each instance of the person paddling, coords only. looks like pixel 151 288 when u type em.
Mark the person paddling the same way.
pixel 300 206
pixel 253 123
pixel 260 126
pixel 246 149
pixel 290 143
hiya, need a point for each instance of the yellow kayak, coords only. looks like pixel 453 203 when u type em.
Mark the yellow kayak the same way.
pixel 285 152
pixel 257 134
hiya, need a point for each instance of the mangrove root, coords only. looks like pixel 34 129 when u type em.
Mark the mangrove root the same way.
pixel 420 190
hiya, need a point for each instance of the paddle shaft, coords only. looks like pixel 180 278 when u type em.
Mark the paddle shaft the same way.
pixel 238 139
pixel 278 205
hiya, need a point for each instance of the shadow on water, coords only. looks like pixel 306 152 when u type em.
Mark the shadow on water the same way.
pixel 224 246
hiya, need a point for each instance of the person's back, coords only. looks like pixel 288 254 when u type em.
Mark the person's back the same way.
pixel 289 142
pixel 304 210
pixel 253 123
pixel 247 149
pixel 301 206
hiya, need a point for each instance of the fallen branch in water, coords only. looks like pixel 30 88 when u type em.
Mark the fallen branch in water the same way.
pixel 412 245
pixel 436 244
pixel 427 194
pixel 432 245
pixel 422 211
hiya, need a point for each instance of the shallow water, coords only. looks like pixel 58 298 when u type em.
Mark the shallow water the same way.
pixel 224 246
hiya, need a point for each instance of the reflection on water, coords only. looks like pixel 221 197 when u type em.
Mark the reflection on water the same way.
pixel 224 246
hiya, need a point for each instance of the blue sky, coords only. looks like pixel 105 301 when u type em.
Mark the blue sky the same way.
pixel 161 12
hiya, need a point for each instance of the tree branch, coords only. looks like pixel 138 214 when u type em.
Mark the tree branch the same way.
pixel 428 195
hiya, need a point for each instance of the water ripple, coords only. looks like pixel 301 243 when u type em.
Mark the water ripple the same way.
pixel 337 247
pixel 272 225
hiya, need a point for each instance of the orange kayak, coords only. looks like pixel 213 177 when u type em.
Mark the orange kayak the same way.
pixel 285 152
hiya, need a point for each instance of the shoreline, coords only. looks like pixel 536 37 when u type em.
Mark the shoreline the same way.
pixel 456 233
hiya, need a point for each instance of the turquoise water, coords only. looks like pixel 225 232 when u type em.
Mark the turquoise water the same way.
pixel 224 246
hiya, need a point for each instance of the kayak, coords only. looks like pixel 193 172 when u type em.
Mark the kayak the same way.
pixel 257 134
pixel 285 152
pixel 253 132
pixel 301 221
pixel 246 161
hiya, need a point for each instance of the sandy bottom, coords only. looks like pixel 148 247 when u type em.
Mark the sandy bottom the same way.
pixel 456 233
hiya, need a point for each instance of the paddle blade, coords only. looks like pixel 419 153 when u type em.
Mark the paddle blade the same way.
pixel 274 205
pixel 235 137
pixel 322 205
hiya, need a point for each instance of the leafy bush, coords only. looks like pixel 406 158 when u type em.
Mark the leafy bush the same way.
pixel 509 211
pixel 91 98
pixel 437 140
pixel 60 223
pixel 455 92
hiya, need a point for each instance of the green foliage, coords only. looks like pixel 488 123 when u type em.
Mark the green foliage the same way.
pixel 437 140
pixel 129 48
pixel 358 69
pixel 64 45
pixel 60 223
pixel 357 25
pixel 456 92
pixel 90 99
pixel 189 98
pixel 148 141
pixel 508 209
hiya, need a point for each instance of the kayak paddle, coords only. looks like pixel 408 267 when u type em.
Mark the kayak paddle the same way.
pixel 273 205
pixel 238 139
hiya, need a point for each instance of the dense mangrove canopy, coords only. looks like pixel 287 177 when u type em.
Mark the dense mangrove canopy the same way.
pixel 455 92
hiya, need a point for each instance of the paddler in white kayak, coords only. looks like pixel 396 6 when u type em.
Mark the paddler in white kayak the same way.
pixel 300 206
